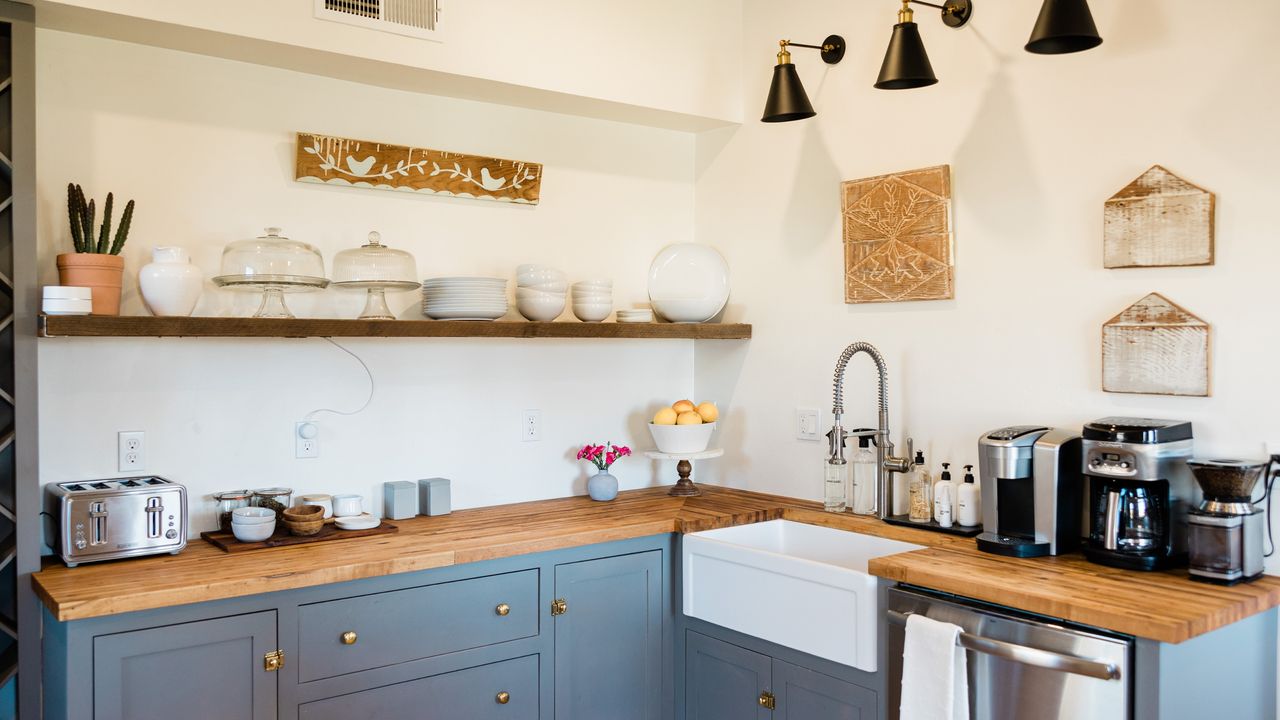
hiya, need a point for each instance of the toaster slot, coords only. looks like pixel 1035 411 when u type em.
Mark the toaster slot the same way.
pixel 100 486
pixel 97 523
pixel 155 516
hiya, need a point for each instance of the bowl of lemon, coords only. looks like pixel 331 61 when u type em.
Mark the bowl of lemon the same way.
pixel 684 428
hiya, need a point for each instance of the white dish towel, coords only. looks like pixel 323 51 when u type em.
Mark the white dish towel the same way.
pixel 935 683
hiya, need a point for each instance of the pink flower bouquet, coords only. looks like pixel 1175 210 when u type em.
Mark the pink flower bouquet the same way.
pixel 602 456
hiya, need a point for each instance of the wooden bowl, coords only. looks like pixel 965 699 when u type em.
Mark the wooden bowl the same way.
pixel 305 528
pixel 304 513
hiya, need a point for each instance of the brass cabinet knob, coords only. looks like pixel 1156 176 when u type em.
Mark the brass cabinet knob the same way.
pixel 503 609
pixel 349 637
pixel 503 697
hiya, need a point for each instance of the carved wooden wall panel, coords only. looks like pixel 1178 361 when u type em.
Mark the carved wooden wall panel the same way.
pixel 1156 347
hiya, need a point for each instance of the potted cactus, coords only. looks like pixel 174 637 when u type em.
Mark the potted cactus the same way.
pixel 96 263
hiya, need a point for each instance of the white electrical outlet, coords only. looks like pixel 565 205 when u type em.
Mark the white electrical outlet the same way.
pixel 531 426
pixel 131 451
pixel 807 424
pixel 306 440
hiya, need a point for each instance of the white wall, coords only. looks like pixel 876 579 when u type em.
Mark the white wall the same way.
pixel 662 54
pixel 1036 144
pixel 205 146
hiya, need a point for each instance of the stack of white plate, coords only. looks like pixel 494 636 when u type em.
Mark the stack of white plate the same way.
pixel 540 292
pixel 593 300
pixel 464 298
pixel 635 316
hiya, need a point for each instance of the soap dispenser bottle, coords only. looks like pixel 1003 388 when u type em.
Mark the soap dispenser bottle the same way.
pixel 862 497
pixel 921 492
pixel 944 495
pixel 835 476
pixel 968 500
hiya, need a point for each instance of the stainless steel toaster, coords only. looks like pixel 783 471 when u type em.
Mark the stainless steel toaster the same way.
pixel 118 518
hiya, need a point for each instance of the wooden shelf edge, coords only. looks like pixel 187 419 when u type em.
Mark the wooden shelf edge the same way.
pixel 54 326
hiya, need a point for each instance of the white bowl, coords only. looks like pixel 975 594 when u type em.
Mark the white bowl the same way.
pixel 682 438
pixel 592 312
pixel 526 277
pixel 555 286
pixel 253 533
pixel 594 284
pixel 541 309
pixel 585 294
pixel 688 310
pixel 522 293
pixel 252 516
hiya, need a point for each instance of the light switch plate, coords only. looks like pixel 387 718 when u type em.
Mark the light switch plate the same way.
pixel 807 424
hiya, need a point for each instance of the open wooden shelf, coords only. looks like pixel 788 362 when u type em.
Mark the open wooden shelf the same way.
pixel 112 326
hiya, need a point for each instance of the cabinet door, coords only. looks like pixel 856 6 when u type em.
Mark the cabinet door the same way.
pixel 807 695
pixel 608 656
pixel 215 666
pixel 723 681
pixel 506 690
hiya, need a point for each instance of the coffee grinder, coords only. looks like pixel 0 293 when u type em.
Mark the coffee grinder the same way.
pixel 1225 532
pixel 1139 492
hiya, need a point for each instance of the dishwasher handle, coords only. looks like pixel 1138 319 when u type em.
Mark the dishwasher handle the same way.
pixel 1034 657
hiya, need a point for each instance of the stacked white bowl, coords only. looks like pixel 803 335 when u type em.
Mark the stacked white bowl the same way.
pixel 464 298
pixel 253 524
pixel 540 292
pixel 592 300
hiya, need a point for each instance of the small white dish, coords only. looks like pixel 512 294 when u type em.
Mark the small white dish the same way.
pixel 358 522
pixel 347 505
pixel 252 516
pixel 541 309
pixel 253 533
pixel 592 312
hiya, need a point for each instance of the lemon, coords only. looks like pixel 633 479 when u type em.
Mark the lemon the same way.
pixel 709 412
pixel 665 416
pixel 689 418
pixel 683 406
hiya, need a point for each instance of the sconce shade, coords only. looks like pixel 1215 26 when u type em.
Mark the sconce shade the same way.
pixel 787 99
pixel 906 64
pixel 1064 26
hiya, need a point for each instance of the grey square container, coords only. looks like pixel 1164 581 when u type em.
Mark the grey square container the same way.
pixel 398 501
pixel 433 496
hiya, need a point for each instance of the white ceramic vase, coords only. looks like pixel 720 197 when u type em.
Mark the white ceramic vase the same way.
pixel 170 284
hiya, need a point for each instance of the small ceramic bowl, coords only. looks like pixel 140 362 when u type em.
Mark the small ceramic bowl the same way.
pixel 541 309
pixel 255 533
pixel 253 516
pixel 592 312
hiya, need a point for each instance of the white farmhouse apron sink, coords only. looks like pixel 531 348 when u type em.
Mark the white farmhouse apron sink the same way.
pixel 802 586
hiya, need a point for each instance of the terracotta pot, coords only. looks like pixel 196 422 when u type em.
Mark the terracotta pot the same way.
pixel 103 273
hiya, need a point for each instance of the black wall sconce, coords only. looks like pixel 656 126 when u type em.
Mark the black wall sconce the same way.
pixel 1064 26
pixel 906 64
pixel 787 99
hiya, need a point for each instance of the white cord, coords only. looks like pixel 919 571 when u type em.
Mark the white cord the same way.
pixel 367 372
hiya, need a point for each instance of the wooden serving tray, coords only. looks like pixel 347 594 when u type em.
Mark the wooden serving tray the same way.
pixel 227 542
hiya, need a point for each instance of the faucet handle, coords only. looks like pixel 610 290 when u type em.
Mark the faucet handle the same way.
pixel 911 451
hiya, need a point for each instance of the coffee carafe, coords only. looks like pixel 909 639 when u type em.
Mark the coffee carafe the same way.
pixel 1226 530
pixel 1139 492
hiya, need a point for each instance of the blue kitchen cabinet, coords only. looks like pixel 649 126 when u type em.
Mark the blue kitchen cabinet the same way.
pixel 608 618
pixel 506 690
pixel 208 669
pixel 724 681
pixel 803 694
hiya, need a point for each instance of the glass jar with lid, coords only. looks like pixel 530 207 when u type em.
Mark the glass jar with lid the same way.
pixel 376 268
pixel 273 265
pixel 228 501
pixel 277 498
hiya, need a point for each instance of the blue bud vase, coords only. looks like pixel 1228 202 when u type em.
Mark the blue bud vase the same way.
pixel 602 486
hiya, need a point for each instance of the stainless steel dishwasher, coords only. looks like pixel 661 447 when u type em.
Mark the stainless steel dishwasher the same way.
pixel 1021 666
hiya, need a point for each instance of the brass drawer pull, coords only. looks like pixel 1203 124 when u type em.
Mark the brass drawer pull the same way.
pixel 349 637
pixel 559 606
pixel 503 697
pixel 767 701
pixel 503 609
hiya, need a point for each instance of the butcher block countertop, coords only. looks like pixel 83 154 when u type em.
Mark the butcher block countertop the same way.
pixel 1164 606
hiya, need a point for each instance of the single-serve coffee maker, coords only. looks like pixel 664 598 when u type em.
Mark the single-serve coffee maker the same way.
pixel 1139 492
pixel 1225 532
pixel 1030 491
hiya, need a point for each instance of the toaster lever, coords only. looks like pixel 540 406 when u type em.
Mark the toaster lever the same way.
pixel 155 516
pixel 97 523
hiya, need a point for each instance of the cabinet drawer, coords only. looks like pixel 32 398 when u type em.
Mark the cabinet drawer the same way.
pixel 402 625
pixel 471 694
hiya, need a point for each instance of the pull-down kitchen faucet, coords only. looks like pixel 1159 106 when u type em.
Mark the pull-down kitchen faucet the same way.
pixel 886 463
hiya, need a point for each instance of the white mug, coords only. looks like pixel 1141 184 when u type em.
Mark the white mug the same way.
pixel 347 505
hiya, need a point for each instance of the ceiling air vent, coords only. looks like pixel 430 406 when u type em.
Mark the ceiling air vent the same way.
pixel 416 18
